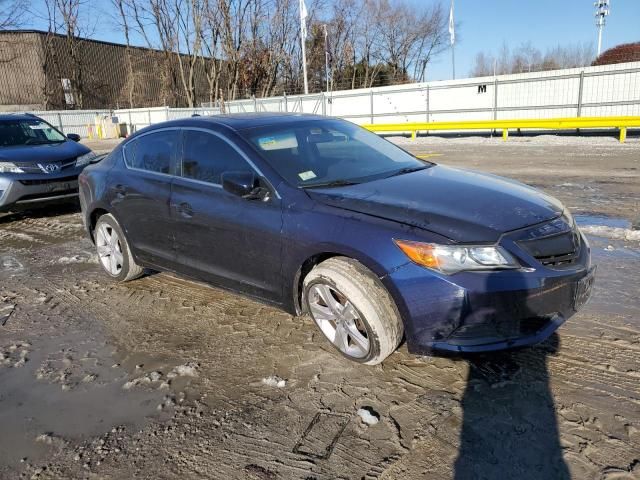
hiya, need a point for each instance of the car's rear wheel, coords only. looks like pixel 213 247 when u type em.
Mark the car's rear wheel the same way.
pixel 113 250
pixel 353 310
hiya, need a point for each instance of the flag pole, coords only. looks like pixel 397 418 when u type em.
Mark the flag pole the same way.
pixel 453 60
pixel 326 56
pixel 452 37
pixel 303 37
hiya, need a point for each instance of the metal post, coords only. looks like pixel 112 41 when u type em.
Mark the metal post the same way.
pixel 324 104
pixel 495 99
pixel 428 103
pixel 149 116
pixel 286 104
pixel 60 123
pixel 371 101
pixel 580 87
pixel 130 124
pixel 255 103
pixel 166 113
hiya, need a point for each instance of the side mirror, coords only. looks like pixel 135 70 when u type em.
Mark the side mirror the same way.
pixel 245 185
pixel 73 136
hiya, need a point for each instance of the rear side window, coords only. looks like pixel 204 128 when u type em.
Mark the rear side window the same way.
pixel 206 157
pixel 153 152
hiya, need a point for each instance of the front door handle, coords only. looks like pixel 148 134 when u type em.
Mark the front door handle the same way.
pixel 185 210
pixel 120 190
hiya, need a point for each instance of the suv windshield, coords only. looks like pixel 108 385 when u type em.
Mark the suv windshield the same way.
pixel 28 132
pixel 326 153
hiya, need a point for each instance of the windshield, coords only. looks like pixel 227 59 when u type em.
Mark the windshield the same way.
pixel 329 153
pixel 28 132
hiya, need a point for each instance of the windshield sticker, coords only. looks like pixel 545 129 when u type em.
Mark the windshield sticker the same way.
pixel 308 175
pixel 39 126
pixel 278 142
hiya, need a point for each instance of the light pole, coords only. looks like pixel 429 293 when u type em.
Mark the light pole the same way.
pixel 602 11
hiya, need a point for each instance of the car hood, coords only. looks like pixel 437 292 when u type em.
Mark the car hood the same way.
pixel 462 205
pixel 53 152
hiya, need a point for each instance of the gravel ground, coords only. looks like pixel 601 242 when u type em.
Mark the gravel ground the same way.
pixel 167 378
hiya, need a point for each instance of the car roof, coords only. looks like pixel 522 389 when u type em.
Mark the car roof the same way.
pixel 241 121
pixel 18 116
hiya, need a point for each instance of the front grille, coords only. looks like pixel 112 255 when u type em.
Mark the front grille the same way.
pixel 31 167
pixel 47 181
pixel 555 251
pixel 43 196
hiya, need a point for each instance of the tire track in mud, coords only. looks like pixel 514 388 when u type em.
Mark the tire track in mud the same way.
pixel 239 341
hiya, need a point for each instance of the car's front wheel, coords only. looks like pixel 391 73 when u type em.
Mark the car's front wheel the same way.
pixel 353 310
pixel 113 250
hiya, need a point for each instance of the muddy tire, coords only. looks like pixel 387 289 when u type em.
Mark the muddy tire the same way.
pixel 113 250
pixel 353 310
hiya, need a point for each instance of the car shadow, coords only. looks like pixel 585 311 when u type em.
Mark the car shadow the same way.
pixel 509 426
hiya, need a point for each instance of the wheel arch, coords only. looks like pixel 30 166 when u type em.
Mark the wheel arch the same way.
pixel 311 261
pixel 92 219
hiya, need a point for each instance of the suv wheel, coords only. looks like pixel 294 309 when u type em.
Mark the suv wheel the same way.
pixel 353 310
pixel 113 250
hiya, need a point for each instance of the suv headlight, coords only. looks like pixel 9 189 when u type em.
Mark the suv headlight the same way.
pixel 85 159
pixel 449 259
pixel 8 167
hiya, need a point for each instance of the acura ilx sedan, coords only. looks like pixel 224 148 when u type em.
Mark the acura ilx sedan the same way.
pixel 37 162
pixel 324 218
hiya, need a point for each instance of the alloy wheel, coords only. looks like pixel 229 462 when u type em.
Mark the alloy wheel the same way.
pixel 339 320
pixel 109 249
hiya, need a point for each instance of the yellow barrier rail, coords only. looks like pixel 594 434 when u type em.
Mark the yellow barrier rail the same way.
pixel 621 123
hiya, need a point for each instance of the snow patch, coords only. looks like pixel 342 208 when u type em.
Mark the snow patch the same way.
pixel 611 232
pixel 274 381
pixel 368 415
pixel 189 369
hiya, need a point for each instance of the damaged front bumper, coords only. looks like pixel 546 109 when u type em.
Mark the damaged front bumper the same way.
pixel 488 311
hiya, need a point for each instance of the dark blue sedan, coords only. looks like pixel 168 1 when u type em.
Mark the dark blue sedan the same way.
pixel 324 218
pixel 37 162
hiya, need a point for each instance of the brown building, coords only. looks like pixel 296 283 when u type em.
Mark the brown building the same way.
pixel 46 71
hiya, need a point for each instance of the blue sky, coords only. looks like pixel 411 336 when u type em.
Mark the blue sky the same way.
pixel 485 24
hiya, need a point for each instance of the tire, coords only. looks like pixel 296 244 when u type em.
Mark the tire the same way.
pixel 362 302
pixel 114 255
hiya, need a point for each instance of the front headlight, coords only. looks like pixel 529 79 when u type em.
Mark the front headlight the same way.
pixel 449 259
pixel 8 167
pixel 85 159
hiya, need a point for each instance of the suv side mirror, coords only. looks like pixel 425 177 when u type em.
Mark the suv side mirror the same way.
pixel 245 185
pixel 73 136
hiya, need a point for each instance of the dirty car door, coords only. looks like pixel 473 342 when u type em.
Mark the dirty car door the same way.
pixel 220 236
pixel 140 195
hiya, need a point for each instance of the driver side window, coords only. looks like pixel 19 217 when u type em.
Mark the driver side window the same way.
pixel 205 157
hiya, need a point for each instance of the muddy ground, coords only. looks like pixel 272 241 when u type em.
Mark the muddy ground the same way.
pixel 167 378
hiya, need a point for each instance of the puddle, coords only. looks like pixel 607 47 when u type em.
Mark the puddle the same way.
pixel 602 221
pixel 63 389
pixel 608 227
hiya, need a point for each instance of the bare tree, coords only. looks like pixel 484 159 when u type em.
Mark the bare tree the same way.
pixel 527 58
pixel 67 28
pixel 12 13
pixel 211 63
pixel 123 7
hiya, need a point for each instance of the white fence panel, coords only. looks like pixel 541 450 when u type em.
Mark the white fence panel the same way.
pixel 590 91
